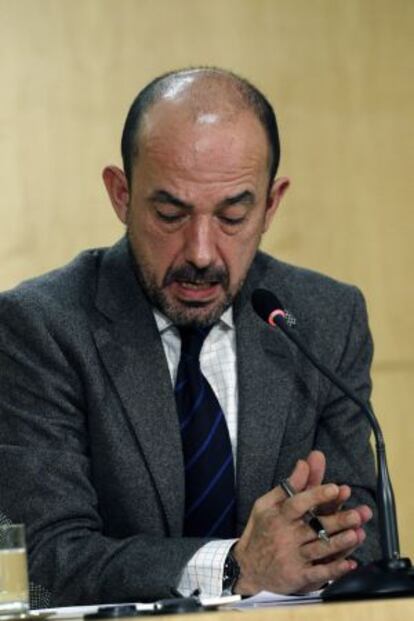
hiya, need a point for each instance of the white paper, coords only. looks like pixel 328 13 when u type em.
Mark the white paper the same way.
pixel 266 599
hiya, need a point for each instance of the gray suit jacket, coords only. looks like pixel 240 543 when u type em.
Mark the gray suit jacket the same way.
pixel 90 446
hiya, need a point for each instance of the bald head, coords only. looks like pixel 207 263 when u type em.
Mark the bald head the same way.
pixel 203 95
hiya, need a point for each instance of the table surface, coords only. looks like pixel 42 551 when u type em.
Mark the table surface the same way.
pixel 396 609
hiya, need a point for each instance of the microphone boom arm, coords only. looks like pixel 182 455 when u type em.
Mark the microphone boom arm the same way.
pixel 388 526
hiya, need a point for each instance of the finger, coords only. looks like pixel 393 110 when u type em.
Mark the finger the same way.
pixel 352 518
pixel 298 479
pixel 344 493
pixel 361 536
pixel 317 466
pixel 365 513
pixel 318 575
pixel 341 521
pixel 340 545
pixel 296 507
pixel 336 505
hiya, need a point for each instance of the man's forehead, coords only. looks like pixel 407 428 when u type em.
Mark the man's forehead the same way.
pixel 181 112
pixel 180 119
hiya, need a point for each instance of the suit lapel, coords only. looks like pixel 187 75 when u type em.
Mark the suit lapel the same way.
pixel 265 381
pixel 131 350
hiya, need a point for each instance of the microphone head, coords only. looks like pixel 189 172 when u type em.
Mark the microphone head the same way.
pixel 264 303
pixel 269 308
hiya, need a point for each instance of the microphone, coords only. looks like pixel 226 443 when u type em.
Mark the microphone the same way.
pixel 390 576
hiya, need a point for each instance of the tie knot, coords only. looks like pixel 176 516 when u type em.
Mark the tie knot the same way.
pixel 192 340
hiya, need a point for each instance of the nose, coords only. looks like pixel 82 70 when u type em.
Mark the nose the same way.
pixel 200 243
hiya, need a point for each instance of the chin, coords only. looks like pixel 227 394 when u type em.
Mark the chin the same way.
pixel 195 314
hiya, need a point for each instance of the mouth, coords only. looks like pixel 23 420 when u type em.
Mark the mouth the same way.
pixel 200 291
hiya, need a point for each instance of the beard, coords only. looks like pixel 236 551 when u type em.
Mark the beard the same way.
pixel 190 313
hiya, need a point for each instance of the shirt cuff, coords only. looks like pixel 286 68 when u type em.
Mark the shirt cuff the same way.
pixel 204 571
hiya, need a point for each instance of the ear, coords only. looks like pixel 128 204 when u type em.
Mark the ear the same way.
pixel 276 194
pixel 117 187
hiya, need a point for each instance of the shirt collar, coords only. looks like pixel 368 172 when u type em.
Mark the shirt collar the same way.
pixel 164 323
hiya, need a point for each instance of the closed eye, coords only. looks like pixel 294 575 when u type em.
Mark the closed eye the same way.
pixel 234 210
pixel 232 221
pixel 169 217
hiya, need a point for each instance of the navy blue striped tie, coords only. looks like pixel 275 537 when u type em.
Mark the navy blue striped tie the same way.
pixel 208 459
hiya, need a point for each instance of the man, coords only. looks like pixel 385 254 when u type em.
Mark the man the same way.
pixel 95 457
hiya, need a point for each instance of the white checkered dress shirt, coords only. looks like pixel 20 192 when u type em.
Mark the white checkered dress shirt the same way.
pixel 204 570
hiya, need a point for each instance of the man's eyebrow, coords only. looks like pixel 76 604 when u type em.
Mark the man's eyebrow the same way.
pixel 246 198
pixel 162 196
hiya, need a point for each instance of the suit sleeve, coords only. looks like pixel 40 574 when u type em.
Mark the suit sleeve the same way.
pixel 46 477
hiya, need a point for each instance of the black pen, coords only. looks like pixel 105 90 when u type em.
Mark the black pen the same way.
pixel 309 517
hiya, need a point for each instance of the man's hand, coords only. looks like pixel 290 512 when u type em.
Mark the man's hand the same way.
pixel 279 552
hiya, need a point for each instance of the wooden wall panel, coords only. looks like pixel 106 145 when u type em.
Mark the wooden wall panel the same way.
pixel 341 77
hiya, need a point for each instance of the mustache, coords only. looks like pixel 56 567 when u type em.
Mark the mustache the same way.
pixel 191 273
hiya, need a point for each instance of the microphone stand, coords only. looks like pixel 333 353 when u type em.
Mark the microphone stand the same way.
pixel 392 575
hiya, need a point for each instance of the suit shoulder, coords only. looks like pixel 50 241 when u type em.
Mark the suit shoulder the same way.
pixel 58 291
pixel 303 283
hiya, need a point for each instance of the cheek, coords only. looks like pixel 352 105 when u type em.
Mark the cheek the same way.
pixel 149 238
pixel 238 254
pixel 158 249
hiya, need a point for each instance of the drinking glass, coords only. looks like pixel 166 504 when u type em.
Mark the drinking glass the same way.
pixel 14 590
